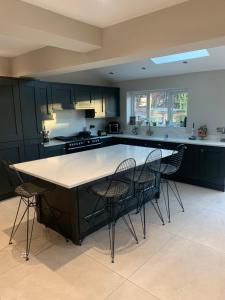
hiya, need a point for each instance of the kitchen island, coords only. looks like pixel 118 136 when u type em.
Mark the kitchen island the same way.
pixel 72 175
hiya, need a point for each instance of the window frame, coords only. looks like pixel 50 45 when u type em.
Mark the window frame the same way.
pixel 167 92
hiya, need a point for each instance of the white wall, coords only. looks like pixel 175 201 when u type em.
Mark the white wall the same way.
pixel 70 122
pixel 206 92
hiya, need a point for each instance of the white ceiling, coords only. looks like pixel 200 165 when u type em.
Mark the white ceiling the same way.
pixel 129 71
pixel 10 46
pixel 103 13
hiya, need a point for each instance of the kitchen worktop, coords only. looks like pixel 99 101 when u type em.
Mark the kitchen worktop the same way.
pixel 206 142
pixel 75 169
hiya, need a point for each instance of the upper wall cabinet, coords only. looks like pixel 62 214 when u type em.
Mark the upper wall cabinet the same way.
pixel 111 98
pixel 30 110
pixel 62 96
pixel 10 115
pixel 83 93
pixel 44 98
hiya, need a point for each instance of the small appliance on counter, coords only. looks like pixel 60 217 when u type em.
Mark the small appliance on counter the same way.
pixel 113 127
pixel 102 133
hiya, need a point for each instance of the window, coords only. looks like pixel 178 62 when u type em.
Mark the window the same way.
pixel 161 108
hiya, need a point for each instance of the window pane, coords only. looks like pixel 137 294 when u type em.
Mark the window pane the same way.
pixel 140 106
pixel 179 102
pixel 158 108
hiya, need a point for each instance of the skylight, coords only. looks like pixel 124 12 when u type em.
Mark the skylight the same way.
pixel 180 56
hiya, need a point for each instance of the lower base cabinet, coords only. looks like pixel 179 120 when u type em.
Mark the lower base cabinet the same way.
pixel 201 165
pixel 13 152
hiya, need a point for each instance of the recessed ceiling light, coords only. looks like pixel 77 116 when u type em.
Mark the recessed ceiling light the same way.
pixel 143 68
pixel 185 62
pixel 180 56
pixel 111 73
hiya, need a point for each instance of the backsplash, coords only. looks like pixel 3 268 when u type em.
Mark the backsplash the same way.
pixel 69 122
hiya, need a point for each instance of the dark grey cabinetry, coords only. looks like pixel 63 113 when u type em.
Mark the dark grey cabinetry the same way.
pixel 62 96
pixel 10 116
pixel 43 93
pixel 201 165
pixel 111 97
pixel 53 151
pixel 13 152
pixel 83 93
pixel 30 110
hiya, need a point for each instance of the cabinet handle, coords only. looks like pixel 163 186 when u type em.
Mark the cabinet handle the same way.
pixel 185 147
pixel 42 143
pixel 41 132
pixel 159 145
pixel 202 150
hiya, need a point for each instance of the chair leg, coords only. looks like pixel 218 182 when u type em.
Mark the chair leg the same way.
pixel 177 195
pixel 14 230
pixel 166 199
pixel 130 227
pixel 113 241
pixel 144 219
pixel 157 210
pixel 14 224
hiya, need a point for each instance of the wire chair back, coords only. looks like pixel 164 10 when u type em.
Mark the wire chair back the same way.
pixel 13 176
pixel 176 158
pixel 123 176
pixel 151 167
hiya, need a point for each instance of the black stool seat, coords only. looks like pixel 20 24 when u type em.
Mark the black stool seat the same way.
pixel 143 177
pixel 110 189
pixel 29 189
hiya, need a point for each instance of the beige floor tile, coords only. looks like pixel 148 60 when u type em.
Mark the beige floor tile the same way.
pixel 89 277
pixel 38 283
pixel 206 228
pixel 184 270
pixel 128 255
pixel 129 291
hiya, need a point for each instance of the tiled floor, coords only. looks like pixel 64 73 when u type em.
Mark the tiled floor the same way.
pixel 184 260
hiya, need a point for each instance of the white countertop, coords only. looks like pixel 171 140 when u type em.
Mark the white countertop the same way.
pixel 207 142
pixel 75 169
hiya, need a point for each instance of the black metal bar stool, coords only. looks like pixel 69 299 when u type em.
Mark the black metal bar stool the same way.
pixel 167 170
pixel 29 193
pixel 114 192
pixel 146 182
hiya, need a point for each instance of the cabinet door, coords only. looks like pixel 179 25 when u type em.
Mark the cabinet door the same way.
pixel 190 166
pixel 212 161
pixel 111 97
pixel 44 97
pixel 83 93
pixel 62 96
pixel 33 149
pixel 13 152
pixel 10 115
pixel 53 151
pixel 30 110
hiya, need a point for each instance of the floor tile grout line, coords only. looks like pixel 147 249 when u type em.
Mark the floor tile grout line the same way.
pixel 140 287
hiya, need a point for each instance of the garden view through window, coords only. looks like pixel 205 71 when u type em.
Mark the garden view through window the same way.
pixel 161 108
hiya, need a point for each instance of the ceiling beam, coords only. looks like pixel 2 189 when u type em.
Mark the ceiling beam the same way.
pixel 191 25
pixel 45 28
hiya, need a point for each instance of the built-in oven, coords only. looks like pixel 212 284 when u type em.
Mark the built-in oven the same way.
pixel 82 145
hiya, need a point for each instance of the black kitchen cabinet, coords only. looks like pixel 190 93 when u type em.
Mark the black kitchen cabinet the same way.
pixel 30 110
pixel 212 165
pixel 62 96
pixel 10 115
pixel 33 149
pixel 10 152
pixel 111 97
pixel 84 93
pixel 53 151
pixel 201 165
pixel 43 93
